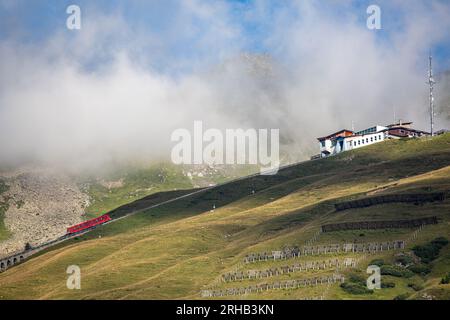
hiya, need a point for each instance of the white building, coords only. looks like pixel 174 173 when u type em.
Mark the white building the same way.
pixel 346 140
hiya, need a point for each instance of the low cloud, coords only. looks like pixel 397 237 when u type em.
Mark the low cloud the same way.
pixel 116 91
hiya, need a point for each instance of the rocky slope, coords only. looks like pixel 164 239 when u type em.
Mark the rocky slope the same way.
pixel 182 249
pixel 41 204
pixel 38 204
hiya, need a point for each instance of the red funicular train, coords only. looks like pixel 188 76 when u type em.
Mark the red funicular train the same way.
pixel 88 224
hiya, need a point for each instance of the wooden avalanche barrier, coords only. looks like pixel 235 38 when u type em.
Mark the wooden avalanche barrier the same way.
pixel 407 198
pixel 368 225
pixel 330 264
pixel 296 252
pixel 278 285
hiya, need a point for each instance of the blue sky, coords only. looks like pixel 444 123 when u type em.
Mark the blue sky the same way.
pixel 138 69
pixel 38 21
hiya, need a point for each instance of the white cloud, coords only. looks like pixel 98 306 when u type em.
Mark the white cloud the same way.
pixel 327 70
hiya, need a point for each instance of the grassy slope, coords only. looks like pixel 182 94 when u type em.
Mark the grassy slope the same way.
pixel 175 250
pixel 4 233
pixel 137 182
pixel 140 180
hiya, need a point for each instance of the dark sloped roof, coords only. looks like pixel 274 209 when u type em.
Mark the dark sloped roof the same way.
pixel 332 135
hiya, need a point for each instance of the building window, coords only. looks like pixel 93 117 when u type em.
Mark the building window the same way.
pixel 371 139
pixel 323 144
pixel 379 136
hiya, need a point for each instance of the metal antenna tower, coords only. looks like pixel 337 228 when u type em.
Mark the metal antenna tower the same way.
pixel 431 83
pixel 395 116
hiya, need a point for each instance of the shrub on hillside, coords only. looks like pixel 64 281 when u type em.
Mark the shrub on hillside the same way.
pixel 415 286
pixel 440 241
pixel 402 296
pixel 446 279
pixel 430 251
pixel 356 285
pixel 355 288
pixel 404 260
pixel 420 269
pixel 426 253
pixel 356 278
pixel 395 271
pixel 377 262
pixel 387 285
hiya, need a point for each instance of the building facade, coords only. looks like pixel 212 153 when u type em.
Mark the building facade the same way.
pixel 346 140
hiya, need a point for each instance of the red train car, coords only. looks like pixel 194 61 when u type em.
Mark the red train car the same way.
pixel 89 224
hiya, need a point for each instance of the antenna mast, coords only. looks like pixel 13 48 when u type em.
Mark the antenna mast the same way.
pixel 431 82
pixel 395 118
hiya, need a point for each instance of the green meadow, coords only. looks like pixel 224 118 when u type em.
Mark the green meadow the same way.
pixel 180 248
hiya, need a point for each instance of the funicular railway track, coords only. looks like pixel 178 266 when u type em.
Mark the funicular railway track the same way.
pixel 129 210
pixel 18 257
pixel 9 261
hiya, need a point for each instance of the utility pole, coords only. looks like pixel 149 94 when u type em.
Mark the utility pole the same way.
pixel 431 83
